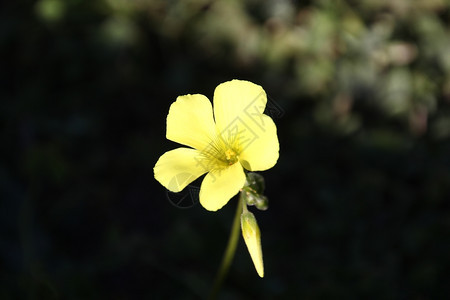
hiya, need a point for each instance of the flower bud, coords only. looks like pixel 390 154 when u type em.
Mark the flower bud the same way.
pixel 255 181
pixel 252 238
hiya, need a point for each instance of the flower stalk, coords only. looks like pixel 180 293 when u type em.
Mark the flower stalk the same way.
pixel 229 252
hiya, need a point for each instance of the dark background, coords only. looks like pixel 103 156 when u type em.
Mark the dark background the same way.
pixel 359 199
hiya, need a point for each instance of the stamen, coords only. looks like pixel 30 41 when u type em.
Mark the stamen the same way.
pixel 231 156
pixel 219 153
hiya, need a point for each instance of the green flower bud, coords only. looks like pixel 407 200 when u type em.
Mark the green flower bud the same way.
pixel 255 182
pixel 252 238
pixel 262 203
pixel 251 198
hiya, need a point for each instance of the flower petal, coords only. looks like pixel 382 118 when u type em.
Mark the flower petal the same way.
pixel 219 186
pixel 261 147
pixel 237 99
pixel 177 168
pixel 190 121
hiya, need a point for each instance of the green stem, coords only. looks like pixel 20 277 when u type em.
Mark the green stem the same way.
pixel 229 252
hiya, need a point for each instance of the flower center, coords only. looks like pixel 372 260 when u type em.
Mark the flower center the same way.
pixel 220 153
pixel 231 156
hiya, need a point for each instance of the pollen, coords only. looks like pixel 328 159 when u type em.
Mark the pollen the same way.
pixel 231 156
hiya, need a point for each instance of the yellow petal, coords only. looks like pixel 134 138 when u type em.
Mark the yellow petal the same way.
pixel 177 168
pixel 219 186
pixel 260 151
pixel 252 238
pixel 190 121
pixel 237 99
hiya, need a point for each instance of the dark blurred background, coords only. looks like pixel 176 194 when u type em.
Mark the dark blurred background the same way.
pixel 359 199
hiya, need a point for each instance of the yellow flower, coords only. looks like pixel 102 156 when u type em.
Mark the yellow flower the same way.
pixel 238 136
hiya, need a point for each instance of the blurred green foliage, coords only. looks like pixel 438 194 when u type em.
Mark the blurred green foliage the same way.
pixel 390 56
pixel 358 200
